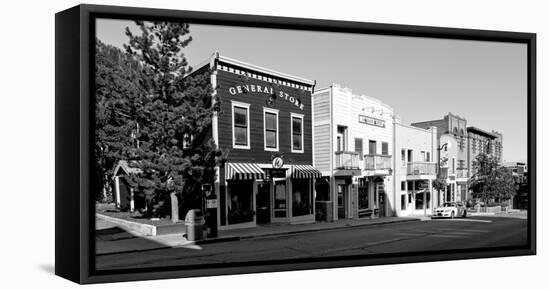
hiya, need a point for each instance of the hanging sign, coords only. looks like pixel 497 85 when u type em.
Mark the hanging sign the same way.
pixel 277 162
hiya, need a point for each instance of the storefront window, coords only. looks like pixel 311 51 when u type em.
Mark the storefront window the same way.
pixel 363 191
pixel 301 202
pixel 240 199
pixel 419 200
pixel 322 188
pixel 403 202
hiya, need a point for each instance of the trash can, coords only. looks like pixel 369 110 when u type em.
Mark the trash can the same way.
pixel 194 223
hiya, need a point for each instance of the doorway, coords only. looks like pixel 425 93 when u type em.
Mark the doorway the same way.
pixel 263 204
pixel 280 199
pixel 342 200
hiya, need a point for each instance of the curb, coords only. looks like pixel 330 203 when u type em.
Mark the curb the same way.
pixel 144 229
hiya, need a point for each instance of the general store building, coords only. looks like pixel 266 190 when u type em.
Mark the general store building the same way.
pixel 265 129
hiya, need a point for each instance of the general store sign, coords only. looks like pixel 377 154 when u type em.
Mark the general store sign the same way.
pixel 371 121
pixel 243 89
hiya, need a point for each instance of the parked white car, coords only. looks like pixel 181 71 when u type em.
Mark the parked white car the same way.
pixel 450 210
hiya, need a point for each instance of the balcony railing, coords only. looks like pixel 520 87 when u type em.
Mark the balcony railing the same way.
pixel 462 173
pixel 347 160
pixel 377 162
pixel 421 168
pixel 447 173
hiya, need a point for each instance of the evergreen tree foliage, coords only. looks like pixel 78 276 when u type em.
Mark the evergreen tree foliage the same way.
pixel 153 114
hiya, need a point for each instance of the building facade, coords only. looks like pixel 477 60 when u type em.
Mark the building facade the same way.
pixel 264 128
pixel 415 169
pixel 453 154
pixel 352 144
pixel 481 141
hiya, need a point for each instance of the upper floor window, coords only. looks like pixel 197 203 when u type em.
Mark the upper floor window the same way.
pixel 372 147
pixel 359 147
pixel 403 158
pixel 385 148
pixel 241 125
pixel 271 129
pixel 297 129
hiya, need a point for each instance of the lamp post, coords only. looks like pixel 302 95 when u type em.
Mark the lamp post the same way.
pixel 446 145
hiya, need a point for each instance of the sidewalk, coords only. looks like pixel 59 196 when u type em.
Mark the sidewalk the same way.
pixel 137 243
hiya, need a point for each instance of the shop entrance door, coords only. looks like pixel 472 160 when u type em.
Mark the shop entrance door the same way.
pixel 342 200
pixel 381 193
pixel 280 199
pixel 263 207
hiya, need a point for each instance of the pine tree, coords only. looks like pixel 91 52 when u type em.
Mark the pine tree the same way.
pixel 117 94
pixel 174 146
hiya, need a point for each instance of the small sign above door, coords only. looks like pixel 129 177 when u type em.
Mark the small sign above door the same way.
pixel 277 162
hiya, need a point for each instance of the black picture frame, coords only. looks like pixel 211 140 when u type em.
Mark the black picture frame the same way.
pixel 74 122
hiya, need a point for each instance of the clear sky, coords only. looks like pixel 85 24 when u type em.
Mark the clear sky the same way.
pixel 421 78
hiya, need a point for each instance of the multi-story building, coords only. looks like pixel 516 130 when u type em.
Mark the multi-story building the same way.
pixel 481 141
pixel 415 169
pixel 264 128
pixel 453 154
pixel 352 144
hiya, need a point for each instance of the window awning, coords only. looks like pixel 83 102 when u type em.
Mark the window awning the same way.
pixel 243 171
pixel 305 172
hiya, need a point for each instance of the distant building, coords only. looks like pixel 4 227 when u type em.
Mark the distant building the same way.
pixel 481 141
pixel 520 174
pixel 453 154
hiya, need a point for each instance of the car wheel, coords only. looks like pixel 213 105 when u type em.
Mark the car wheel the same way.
pixel 452 214
pixel 464 214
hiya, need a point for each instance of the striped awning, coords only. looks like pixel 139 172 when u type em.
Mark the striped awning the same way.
pixel 305 172
pixel 243 171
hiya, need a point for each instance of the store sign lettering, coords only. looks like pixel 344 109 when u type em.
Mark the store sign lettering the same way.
pixel 240 89
pixel 372 121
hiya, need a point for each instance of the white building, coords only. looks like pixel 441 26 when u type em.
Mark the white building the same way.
pixel 415 151
pixel 352 147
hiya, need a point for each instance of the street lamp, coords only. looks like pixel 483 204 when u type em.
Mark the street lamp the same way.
pixel 446 145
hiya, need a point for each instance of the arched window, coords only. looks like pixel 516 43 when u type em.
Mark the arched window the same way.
pixel 461 131
pixel 455 131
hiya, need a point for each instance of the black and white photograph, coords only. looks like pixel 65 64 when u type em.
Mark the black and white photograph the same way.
pixel 274 144
pixel 218 145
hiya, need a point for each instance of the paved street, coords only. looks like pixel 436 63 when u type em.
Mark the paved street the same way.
pixel 435 235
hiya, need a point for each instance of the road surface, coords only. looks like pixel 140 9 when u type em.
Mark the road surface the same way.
pixel 430 235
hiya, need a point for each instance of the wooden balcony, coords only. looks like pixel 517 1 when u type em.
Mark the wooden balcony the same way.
pixel 345 160
pixel 421 168
pixel 377 162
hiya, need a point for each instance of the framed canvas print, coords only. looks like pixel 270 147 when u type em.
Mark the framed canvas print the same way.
pixel 199 144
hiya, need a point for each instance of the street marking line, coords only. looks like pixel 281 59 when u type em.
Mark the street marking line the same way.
pixel 449 236
pixel 411 234
pixel 465 220
pixel 476 231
